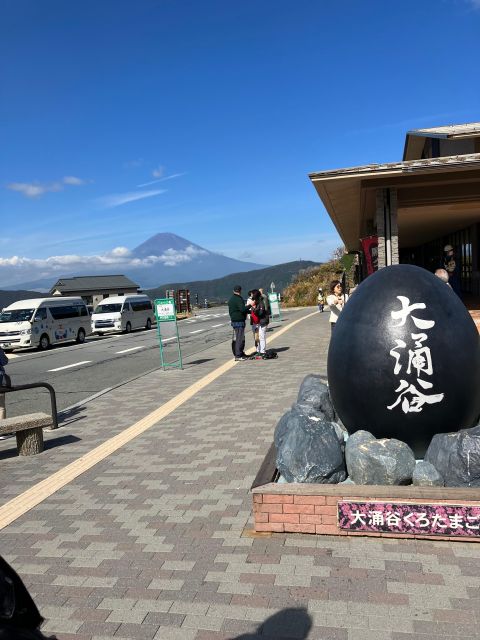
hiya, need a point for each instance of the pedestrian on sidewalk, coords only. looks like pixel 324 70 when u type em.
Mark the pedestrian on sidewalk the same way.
pixel 253 326
pixel 259 319
pixel 336 301
pixel 3 362
pixel 320 300
pixel 266 301
pixel 238 313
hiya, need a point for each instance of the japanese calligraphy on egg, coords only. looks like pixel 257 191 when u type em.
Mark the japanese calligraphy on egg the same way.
pixel 413 361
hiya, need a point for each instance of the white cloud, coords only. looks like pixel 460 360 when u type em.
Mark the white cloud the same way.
pixel 174 175
pixel 77 182
pixel 133 164
pixel 117 199
pixel 21 269
pixel 158 172
pixel 34 189
pixel 37 189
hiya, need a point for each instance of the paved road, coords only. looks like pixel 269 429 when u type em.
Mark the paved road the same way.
pixel 78 372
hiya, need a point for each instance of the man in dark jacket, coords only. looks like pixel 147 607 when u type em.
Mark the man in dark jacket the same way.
pixel 238 313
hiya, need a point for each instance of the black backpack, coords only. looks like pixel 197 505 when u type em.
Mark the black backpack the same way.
pixel 270 354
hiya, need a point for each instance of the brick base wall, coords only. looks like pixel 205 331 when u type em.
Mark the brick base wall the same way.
pixel 284 513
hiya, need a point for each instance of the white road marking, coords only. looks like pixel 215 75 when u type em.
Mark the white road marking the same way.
pixel 12 356
pixel 214 326
pixel 69 366
pixel 131 349
pixel 197 331
pixel 167 339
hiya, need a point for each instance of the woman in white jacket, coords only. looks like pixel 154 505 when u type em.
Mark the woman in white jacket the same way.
pixel 336 301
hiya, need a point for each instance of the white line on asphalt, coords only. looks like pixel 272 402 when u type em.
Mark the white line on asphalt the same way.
pixel 197 331
pixel 167 339
pixel 131 349
pixel 214 326
pixel 68 366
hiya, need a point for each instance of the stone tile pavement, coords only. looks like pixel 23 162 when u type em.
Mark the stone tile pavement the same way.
pixel 155 541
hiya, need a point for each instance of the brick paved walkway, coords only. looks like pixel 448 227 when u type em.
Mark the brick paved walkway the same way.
pixel 154 542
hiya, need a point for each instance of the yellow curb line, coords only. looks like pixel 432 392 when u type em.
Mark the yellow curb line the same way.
pixel 42 490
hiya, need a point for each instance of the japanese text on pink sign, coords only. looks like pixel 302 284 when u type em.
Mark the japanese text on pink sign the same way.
pixel 425 519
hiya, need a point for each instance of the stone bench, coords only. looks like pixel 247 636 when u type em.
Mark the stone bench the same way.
pixel 28 430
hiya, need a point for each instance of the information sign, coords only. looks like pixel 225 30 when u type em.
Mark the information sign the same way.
pixel 165 310
pixel 167 332
pixel 274 305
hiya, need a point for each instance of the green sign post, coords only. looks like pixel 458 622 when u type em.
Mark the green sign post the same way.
pixel 167 331
pixel 274 305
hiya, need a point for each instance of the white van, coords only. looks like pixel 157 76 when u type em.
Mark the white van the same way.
pixel 122 313
pixel 43 321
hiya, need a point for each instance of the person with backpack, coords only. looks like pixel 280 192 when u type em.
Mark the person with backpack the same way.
pixel 259 319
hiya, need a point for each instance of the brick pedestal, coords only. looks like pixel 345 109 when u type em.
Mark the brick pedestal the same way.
pixel 312 508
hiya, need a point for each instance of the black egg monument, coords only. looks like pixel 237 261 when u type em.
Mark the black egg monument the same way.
pixel 404 358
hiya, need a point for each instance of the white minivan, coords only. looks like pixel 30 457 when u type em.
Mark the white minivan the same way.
pixel 41 322
pixel 122 313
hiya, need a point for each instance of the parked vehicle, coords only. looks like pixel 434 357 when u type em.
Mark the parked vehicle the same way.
pixel 122 313
pixel 41 322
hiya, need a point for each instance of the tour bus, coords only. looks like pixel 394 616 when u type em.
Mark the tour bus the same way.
pixel 42 322
pixel 122 313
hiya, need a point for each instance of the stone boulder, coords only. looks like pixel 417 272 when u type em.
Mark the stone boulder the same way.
pixel 315 393
pixel 282 428
pixel 425 475
pixel 308 412
pixel 384 462
pixel 456 456
pixel 309 449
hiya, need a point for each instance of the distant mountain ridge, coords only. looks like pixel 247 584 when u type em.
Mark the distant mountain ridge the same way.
pixel 220 289
pixel 7 297
pixel 216 290
pixel 165 257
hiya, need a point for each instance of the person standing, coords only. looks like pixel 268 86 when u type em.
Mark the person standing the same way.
pixel 3 362
pixel 259 319
pixel 266 302
pixel 320 300
pixel 238 314
pixel 336 301
pixel 451 264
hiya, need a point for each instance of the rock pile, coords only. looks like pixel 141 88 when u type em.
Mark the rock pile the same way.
pixel 313 446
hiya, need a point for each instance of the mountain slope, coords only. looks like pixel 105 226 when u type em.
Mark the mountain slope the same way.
pixel 221 288
pixel 176 259
pixel 7 297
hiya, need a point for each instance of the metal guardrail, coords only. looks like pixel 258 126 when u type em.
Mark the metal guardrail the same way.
pixel 7 387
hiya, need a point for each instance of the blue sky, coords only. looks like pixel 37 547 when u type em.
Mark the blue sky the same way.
pixel 121 119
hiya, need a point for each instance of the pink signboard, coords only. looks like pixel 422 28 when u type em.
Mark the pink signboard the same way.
pixel 417 519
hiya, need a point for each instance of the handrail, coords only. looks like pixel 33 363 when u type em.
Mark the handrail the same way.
pixel 8 387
